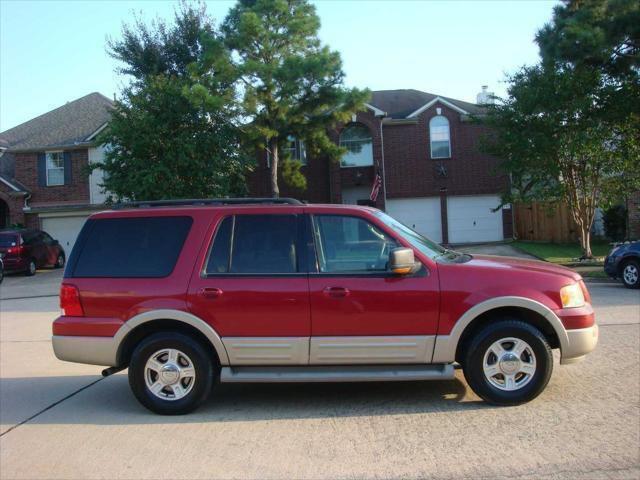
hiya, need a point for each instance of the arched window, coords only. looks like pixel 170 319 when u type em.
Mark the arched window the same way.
pixel 439 137
pixel 356 138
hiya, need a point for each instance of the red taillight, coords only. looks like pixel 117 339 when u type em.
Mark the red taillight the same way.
pixel 15 250
pixel 70 301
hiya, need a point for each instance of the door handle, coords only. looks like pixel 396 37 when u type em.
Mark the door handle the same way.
pixel 208 292
pixel 336 292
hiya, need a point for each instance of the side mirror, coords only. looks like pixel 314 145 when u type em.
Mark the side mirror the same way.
pixel 402 261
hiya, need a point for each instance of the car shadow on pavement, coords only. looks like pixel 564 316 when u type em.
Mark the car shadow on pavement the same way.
pixel 110 401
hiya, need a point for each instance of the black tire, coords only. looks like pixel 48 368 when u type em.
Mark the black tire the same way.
pixel 205 372
pixel 31 268
pixel 480 344
pixel 635 266
pixel 60 261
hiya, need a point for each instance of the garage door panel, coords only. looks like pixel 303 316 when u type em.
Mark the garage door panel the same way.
pixel 420 214
pixel 64 229
pixel 472 219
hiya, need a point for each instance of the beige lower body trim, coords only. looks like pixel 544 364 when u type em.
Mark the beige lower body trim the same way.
pixel 370 350
pixel 90 350
pixel 267 350
pixel 581 342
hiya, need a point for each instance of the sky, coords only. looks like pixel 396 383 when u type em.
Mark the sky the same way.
pixel 52 52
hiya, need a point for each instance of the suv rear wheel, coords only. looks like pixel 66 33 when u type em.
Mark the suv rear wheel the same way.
pixel 508 363
pixel 171 373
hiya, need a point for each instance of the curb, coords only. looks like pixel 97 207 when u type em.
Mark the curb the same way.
pixel 599 280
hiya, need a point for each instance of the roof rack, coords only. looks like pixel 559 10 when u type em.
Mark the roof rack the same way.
pixel 207 201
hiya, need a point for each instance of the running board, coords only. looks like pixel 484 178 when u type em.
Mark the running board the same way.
pixel 355 373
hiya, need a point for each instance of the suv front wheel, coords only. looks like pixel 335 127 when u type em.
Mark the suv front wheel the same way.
pixel 170 373
pixel 508 363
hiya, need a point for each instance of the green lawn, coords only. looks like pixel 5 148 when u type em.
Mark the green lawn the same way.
pixel 560 253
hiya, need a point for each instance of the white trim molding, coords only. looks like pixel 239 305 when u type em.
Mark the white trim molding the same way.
pixel 433 102
pixel 95 134
pixel 376 111
pixel 10 185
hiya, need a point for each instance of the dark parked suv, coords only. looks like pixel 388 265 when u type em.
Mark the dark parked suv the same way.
pixel 26 250
pixel 623 262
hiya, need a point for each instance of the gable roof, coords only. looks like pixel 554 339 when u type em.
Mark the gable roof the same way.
pixel 409 102
pixel 69 125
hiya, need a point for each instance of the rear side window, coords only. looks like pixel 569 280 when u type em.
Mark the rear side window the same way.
pixel 132 247
pixel 255 244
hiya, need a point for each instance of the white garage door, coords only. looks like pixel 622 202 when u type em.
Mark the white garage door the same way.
pixel 64 229
pixel 421 214
pixel 472 220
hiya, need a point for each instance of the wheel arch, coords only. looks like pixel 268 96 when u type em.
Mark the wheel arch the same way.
pixel 448 347
pixel 625 260
pixel 154 321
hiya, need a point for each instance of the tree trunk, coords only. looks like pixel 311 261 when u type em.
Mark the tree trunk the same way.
pixel 587 244
pixel 273 148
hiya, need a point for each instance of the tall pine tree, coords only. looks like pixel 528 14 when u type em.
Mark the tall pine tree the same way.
pixel 291 85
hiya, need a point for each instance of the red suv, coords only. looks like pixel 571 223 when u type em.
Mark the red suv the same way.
pixel 278 291
pixel 25 250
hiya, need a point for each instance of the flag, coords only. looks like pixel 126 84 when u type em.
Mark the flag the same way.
pixel 375 189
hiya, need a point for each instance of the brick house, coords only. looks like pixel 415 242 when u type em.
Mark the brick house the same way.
pixel 426 149
pixel 44 178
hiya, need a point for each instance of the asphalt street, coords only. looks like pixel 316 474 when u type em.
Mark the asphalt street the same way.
pixel 62 420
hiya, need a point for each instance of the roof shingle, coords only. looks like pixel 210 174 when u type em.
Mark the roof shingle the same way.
pixel 65 126
pixel 402 103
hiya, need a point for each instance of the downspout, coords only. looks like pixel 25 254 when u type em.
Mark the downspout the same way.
pixel 26 207
pixel 384 176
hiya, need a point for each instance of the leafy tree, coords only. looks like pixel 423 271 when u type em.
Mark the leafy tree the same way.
pixel 557 146
pixel 568 129
pixel 171 134
pixel 290 84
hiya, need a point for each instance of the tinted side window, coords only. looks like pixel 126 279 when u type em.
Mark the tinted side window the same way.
pixel 221 249
pixel 350 244
pixel 132 247
pixel 260 244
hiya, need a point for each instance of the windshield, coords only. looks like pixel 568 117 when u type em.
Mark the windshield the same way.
pixel 423 244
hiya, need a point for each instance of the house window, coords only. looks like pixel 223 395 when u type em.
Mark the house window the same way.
pixel 357 140
pixel 440 138
pixel 293 149
pixel 55 168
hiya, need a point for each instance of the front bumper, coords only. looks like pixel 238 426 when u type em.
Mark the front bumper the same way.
pixel 581 341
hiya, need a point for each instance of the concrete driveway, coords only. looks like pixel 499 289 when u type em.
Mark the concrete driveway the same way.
pixel 61 420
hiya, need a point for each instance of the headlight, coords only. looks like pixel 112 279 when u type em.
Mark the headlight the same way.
pixel 572 296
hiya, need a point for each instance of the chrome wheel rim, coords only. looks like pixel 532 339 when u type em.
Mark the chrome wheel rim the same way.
pixel 630 274
pixel 60 260
pixel 169 374
pixel 509 364
pixel 32 267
